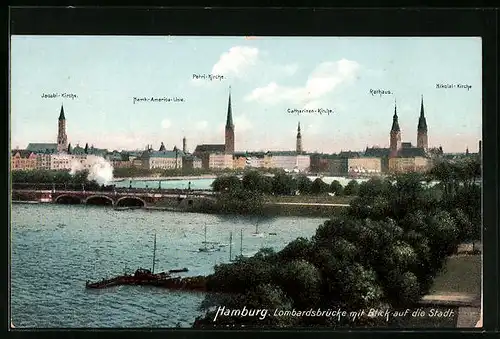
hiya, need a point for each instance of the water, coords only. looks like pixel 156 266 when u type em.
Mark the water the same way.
pixel 204 184
pixel 56 248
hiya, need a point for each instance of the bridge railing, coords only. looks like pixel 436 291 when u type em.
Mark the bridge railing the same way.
pixel 57 187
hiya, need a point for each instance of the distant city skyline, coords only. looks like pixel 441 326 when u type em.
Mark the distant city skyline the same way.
pixel 268 76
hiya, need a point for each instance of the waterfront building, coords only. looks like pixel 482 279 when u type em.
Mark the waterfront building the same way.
pixel 217 161
pixel 290 160
pixel 23 160
pixel 43 161
pixel 162 160
pixel 409 164
pixel 364 165
pixel 240 160
pixel 60 161
pixel 191 162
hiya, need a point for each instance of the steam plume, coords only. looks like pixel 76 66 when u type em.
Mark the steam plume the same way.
pixel 99 169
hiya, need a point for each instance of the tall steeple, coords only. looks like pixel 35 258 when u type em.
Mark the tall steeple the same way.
pixel 61 115
pixel 229 133
pixel 184 145
pixel 62 138
pixel 395 135
pixel 422 138
pixel 298 147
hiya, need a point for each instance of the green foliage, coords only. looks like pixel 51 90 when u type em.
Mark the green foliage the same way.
pixel 385 252
pixel 256 181
pixel 337 188
pixel 283 184
pixel 303 184
pixel 226 183
pixel 319 186
pixel 239 202
pixel 352 188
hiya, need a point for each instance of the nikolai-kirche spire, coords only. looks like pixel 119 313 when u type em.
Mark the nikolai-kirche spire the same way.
pixel 229 120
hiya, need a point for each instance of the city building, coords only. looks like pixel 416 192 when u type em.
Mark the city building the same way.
pixel 409 164
pixel 191 162
pixel 162 159
pixel 23 160
pixel 364 165
pixel 290 160
pixel 217 161
pixel 240 160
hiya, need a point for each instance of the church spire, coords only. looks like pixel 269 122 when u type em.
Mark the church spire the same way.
pixel 229 121
pixel 395 123
pixel 422 123
pixel 298 131
pixel 61 115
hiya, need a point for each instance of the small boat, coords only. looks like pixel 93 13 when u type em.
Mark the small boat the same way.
pixel 272 233
pixel 180 270
pixel 205 248
pixel 24 202
pixel 257 233
pixel 141 276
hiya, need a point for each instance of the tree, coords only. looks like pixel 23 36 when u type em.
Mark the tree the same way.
pixel 283 184
pixel 226 183
pixel 303 184
pixel 255 181
pixel 352 188
pixel 319 186
pixel 336 187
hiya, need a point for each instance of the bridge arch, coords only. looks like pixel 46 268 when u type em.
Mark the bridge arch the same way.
pixel 99 200
pixel 131 201
pixel 67 199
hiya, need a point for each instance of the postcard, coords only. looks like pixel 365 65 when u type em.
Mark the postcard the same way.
pixel 245 182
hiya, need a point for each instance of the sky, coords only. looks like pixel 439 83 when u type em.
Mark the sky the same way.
pixel 268 76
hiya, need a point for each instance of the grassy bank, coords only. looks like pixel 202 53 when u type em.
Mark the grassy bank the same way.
pixel 462 274
pixel 308 199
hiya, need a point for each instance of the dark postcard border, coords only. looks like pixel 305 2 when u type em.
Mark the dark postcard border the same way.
pixel 298 22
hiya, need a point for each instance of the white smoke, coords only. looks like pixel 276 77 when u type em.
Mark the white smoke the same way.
pixel 99 169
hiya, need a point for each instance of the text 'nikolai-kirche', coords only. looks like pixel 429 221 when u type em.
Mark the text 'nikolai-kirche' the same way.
pixel 449 86
pixel 59 95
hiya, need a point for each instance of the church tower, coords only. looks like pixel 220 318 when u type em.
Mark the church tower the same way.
pixel 299 140
pixel 395 141
pixel 229 135
pixel 62 138
pixel 184 145
pixel 422 128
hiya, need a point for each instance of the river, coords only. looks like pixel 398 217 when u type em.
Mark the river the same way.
pixel 56 248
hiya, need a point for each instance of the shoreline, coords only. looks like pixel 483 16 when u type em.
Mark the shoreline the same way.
pixel 189 177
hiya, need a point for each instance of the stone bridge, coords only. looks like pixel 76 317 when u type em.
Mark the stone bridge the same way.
pixel 140 198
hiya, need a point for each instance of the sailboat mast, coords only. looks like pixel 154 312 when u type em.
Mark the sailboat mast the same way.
pixel 205 236
pixel 154 255
pixel 241 243
pixel 230 246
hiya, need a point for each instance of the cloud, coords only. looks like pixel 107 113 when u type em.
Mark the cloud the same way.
pixel 322 81
pixel 165 123
pixel 242 123
pixel 201 125
pixel 236 61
